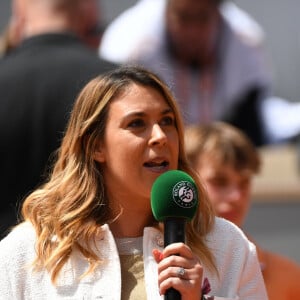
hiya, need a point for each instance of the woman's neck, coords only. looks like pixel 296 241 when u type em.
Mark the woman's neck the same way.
pixel 131 223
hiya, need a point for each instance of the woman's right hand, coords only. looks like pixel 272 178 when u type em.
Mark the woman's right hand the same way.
pixel 180 269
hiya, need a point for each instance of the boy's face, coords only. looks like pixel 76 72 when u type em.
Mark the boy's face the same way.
pixel 228 189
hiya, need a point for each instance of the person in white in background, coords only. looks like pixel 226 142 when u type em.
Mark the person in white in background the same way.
pixel 209 52
pixel 145 20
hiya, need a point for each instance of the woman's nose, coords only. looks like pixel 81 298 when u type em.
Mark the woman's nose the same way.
pixel 158 136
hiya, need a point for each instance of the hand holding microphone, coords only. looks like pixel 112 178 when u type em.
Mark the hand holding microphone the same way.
pixel 174 202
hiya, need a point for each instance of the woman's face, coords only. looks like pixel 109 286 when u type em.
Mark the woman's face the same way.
pixel 140 143
pixel 228 189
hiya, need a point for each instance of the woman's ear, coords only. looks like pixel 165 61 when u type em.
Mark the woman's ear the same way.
pixel 99 154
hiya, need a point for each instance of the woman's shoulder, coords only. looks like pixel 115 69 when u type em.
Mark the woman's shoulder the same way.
pixel 228 237
pixel 223 228
pixel 236 261
pixel 19 241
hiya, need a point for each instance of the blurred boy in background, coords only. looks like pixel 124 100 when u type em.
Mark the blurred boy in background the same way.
pixel 226 161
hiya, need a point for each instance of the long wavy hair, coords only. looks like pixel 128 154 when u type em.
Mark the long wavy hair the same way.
pixel 68 210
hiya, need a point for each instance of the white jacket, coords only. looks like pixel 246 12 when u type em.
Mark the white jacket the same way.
pixel 236 261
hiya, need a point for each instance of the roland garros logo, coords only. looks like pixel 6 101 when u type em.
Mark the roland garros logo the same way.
pixel 184 194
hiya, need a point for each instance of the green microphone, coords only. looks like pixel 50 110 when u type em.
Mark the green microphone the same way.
pixel 174 201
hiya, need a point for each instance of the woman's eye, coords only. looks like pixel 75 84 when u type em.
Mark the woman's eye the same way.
pixel 168 121
pixel 136 123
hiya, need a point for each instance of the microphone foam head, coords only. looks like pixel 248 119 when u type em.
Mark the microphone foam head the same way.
pixel 174 194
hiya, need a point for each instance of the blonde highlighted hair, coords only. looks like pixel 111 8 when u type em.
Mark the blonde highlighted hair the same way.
pixel 68 210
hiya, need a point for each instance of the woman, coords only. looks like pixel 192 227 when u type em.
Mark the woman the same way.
pixel 90 227
pixel 227 161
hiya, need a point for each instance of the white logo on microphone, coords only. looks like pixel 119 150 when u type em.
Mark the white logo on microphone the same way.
pixel 184 194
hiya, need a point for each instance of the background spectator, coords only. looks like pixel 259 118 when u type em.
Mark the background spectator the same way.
pixel 39 80
pixel 216 71
pixel 226 161
pixel 12 34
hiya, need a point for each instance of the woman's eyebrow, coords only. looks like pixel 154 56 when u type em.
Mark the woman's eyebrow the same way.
pixel 141 113
pixel 167 111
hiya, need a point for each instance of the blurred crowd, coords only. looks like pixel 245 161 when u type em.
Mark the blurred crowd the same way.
pixel 49 54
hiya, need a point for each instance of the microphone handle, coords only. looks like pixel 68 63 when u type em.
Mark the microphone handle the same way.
pixel 172 294
pixel 174 232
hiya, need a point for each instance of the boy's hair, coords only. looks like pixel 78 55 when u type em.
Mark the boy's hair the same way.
pixel 224 143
